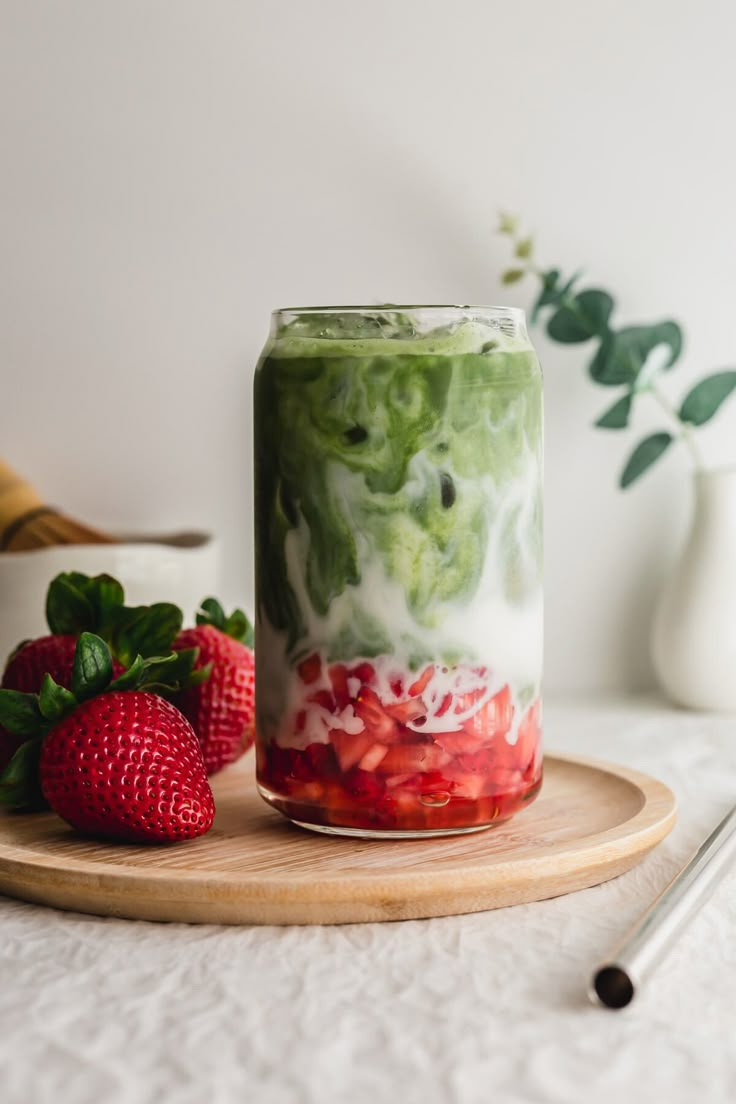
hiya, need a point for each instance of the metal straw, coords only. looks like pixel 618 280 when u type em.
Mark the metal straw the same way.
pixel 617 980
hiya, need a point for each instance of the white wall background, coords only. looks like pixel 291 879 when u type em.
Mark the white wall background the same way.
pixel 172 170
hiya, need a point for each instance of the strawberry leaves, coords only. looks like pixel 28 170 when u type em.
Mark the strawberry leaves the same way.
pixel 236 625
pixel 20 713
pixel 145 631
pixel 129 679
pixel 92 669
pixel 163 675
pixel 20 788
pixel 77 603
pixel 54 701
pixel 171 673
pixel 81 603
pixel 68 609
pixel 29 717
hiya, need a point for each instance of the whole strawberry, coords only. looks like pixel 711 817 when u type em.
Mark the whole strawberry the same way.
pixel 53 655
pixel 221 709
pixel 136 774
pixel 112 759
pixel 25 670
pixel 78 603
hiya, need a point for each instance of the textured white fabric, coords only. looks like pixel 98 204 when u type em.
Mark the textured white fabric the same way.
pixel 482 1008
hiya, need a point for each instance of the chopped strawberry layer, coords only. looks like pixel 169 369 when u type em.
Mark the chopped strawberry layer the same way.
pixel 394 751
pixel 421 683
pixel 339 679
pixel 310 669
pixel 364 672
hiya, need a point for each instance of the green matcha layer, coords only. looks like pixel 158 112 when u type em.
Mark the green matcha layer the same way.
pixel 391 460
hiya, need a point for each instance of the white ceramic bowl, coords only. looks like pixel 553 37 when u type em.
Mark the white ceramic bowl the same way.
pixel 182 568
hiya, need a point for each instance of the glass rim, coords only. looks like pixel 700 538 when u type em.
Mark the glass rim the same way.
pixel 517 313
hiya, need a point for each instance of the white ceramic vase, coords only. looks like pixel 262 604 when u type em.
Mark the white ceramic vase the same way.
pixel 694 629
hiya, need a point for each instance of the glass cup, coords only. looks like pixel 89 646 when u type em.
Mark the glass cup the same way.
pixel 398 472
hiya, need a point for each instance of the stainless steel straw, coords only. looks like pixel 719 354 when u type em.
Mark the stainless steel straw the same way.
pixel 615 981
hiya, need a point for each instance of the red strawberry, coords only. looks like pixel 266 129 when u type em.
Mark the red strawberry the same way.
pixel 78 603
pixel 48 655
pixel 127 766
pixel 111 759
pixel 221 709
pixel 53 655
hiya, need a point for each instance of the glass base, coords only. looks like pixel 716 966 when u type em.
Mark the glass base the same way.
pixel 289 808
pixel 388 833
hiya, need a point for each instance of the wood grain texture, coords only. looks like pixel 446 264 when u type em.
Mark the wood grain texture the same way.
pixel 591 822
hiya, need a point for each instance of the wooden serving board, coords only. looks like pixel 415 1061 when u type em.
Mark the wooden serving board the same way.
pixel 591 822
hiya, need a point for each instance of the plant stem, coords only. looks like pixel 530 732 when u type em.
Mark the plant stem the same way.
pixel 685 430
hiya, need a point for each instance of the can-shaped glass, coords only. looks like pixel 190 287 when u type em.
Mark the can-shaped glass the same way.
pixel 398 530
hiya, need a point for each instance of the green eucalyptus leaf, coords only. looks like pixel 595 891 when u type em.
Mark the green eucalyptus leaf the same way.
pixel 705 399
pixel 549 294
pixel 524 248
pixel 92 670
pixel 211 613
pixel 513 275
pixel 585 316
pixel 622 355
pixel 68 607
pixel 617 416
pixel 507 224
pixel 644 455
pixel 54 701
pixel 20 787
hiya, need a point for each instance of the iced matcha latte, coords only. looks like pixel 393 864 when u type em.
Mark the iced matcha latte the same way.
pixel 398 464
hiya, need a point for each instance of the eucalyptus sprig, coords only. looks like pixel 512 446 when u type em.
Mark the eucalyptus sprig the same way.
pixel 631 358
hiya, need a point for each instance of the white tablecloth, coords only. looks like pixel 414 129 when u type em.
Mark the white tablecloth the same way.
pixel 483 1008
